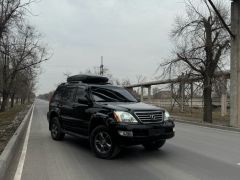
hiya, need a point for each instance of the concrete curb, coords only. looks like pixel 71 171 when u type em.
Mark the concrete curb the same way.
pixel 13 145
pixel 227 128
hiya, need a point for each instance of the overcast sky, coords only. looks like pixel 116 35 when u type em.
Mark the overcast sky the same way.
pixel 131 35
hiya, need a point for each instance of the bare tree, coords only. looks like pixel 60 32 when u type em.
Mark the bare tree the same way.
pixel 202 44
pixel 140 79
pixel 11 12
pixel 21 51
pixel 67 74
pixel 155 91
pixel 46 96
pixel 126 82
pixel 117 82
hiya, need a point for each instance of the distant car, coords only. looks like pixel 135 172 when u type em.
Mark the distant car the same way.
pixel 108 116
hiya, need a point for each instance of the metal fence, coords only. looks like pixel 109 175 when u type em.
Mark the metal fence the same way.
pixel 185 93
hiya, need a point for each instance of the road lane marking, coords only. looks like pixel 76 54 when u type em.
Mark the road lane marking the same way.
pixel 238 164
pixel 18 174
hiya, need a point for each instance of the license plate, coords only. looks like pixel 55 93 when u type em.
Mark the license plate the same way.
pixel 153 132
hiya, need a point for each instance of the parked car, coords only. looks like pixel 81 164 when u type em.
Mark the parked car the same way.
pixel 109 116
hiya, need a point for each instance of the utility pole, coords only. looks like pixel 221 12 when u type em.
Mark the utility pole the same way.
pixel 235 65
pixel 101 66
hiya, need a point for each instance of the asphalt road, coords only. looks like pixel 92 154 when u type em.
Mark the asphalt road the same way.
pixel 194 153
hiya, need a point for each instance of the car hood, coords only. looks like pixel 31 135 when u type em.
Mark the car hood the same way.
pixel 130 106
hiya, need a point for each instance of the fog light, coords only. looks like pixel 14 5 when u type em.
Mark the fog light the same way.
pixel 125 133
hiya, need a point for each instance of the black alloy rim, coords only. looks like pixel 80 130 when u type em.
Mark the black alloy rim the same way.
pixel 103 142
pixel 54 129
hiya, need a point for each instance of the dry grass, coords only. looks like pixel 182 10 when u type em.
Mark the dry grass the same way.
pixel 9 124
pixel 196 115
pixel 7 117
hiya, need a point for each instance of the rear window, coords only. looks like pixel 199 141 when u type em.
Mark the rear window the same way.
pixel 58 94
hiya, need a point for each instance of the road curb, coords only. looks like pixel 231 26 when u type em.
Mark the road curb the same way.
pixel 13 145
pixel 207 125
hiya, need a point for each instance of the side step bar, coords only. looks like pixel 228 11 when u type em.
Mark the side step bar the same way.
pixel 76 135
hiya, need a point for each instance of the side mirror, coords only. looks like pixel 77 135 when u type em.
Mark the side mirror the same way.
pixel 84 101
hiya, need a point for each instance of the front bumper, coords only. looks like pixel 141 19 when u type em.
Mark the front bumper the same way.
pixel 142 133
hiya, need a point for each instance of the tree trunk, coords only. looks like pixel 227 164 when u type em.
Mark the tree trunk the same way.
pixel 4 102
pixel 29 97
pixel 207 99
pixel 23 100
pixel 12 100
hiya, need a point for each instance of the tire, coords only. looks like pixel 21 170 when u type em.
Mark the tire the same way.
pixel 56 132
pixel 154 145
pixel 103 144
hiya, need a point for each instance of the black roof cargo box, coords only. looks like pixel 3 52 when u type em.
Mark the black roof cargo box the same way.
pixel 92 79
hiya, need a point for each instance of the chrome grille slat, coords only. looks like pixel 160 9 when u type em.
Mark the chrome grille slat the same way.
pixel 145 116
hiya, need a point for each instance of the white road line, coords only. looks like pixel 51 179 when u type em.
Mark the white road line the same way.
pixel 238 164
pixel 18 173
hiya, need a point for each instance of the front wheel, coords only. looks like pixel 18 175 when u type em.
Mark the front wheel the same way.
pixel 103 144
pixel 154 145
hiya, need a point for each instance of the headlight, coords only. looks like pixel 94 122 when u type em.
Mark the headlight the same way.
pixel 126 117
pixel 166 116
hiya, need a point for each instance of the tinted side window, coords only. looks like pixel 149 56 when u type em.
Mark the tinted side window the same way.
pixel 81 93
pixel 112 94
pixel 68 94
pixel 58 94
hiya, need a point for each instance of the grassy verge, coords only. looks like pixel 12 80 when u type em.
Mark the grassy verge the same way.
pixel 7 117
pixel 197 114
pixel 9 123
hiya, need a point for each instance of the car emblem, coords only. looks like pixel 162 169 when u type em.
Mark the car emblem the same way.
pixel 152 117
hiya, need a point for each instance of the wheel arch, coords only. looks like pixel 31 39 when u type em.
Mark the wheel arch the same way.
pixel 97 120
pixel 52 115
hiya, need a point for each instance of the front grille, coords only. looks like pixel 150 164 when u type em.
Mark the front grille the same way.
pixel 150 116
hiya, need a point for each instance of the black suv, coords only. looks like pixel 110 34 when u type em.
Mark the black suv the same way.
pixel 110 117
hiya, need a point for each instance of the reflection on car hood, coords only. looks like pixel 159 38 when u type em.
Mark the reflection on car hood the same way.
pixel 130 106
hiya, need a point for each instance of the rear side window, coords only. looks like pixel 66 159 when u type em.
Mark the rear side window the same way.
pixel 68 94
pixel 81 93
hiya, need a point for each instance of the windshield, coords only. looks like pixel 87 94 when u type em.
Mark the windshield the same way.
pixel 112 94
